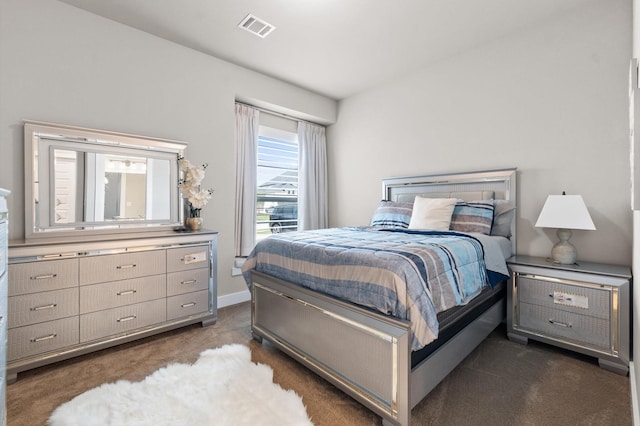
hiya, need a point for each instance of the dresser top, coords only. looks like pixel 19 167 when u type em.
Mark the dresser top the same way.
pixel 20 249
pixel 585 267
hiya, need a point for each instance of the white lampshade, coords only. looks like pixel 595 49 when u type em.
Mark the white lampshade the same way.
pixel 565 212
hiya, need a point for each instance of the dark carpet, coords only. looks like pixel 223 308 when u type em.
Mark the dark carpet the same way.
pixel 500 383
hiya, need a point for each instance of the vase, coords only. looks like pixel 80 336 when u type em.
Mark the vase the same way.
pixel 194 223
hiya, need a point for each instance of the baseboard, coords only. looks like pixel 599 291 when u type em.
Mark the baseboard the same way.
pixel 634 394
pixel 234 298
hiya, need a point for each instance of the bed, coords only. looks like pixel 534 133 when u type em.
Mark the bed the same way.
pixel 383 343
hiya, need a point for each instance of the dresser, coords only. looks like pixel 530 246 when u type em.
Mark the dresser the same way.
pixel 69 299
pixel 4 283
pixel 583 307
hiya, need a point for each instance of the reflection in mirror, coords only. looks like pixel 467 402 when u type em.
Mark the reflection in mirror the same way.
pixel 95 182
pixel 116 187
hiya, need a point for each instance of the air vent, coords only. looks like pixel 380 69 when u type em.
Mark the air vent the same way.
pixel 257 26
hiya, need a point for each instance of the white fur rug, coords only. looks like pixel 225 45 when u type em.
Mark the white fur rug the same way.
pixel 223 387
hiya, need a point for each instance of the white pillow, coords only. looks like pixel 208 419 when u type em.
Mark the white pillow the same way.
pixel 433 214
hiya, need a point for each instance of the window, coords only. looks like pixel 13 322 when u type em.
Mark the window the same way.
pixel 277 181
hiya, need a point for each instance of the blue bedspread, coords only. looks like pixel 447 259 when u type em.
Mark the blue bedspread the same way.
pixel 411 275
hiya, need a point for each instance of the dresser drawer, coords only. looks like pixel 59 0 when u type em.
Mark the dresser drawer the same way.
pixel 584 300
pixel 184 305
pixel 580 329
pixel 114 267
pixel 34 277
pixel 181 259
pixel 39 307
pixel 109 322
pixel 187 281
pixel 40 338
pixel 97 297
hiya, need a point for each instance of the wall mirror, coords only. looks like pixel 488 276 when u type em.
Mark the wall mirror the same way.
pixel 82 181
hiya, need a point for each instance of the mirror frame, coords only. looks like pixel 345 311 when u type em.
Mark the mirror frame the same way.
pixel 94 140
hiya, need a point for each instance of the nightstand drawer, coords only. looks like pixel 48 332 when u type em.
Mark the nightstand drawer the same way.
pixel 579 298
pixel 580 329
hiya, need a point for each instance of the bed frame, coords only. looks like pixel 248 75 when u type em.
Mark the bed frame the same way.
pixel 364 353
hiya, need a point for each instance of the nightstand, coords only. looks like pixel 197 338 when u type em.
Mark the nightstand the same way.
pixel 584 307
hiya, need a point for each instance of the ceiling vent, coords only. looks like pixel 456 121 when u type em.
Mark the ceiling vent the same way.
pixel 257 26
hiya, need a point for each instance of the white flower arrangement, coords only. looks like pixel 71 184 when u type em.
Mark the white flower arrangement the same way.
pixel 191 190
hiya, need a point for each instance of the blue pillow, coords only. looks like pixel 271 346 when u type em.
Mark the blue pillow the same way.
pixel 392 214
pixel 472 216
pixel 503 215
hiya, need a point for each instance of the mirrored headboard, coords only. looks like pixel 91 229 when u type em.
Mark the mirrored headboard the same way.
pixel 89 182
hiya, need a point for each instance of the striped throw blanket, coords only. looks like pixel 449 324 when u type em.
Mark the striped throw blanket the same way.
pixel 411 275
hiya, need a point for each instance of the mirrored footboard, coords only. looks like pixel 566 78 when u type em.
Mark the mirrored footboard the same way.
pixel 363 353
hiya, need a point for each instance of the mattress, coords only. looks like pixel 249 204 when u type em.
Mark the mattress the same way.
pixel 455 319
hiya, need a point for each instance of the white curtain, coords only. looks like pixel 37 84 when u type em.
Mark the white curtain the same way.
pixel 312 180
pixel 247 122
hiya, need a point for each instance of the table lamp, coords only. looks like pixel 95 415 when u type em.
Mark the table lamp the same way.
pixel 565 212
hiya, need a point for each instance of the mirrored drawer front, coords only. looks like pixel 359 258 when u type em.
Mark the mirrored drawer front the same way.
pixel 46 306
pixel 4 295
pixel 187 281
pixel 41 338
pixel 580 329
pixel 181 259
pixel 3 324
pixel 572 298
pixel 3 245
pixel 96 297
pixel 184 305
pixel 34 277
pixel 113 267
pixel 119 320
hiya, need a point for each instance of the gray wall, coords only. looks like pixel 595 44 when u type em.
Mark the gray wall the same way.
pixel 63 65
pixel 551 100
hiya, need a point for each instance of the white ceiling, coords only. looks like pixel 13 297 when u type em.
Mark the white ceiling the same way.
pixel 333 47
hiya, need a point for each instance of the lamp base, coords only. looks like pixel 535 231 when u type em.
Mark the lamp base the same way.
pixel 563 251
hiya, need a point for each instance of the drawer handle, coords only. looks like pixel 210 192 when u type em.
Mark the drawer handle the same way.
pixel 188 282
pixel 129 266
pixel 129 318
pixel 188 305
pixel 43 307
pixel 44 277
pixel 561 324
pixel 40 339
pixel 126 292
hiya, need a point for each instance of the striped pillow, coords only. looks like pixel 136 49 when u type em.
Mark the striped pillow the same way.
pixel 392 214
pixel 472 216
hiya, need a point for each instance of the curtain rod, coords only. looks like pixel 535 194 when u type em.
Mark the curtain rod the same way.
pixel 278 114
